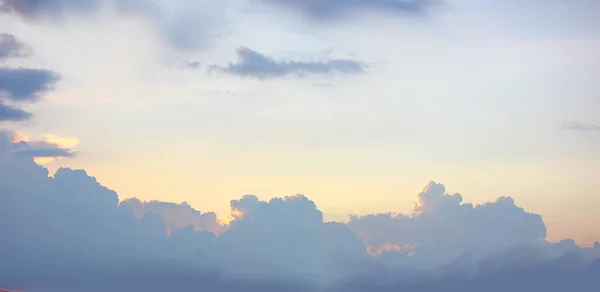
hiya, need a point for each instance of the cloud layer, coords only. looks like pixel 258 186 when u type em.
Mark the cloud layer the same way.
pixel 256 65
pixel 69 232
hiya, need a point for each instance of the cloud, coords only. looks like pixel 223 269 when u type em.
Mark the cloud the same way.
pixel 261 238
pixel 335 9
pixel 441 227
pixel 23 85
pixel 579 126
pixel 40 8
pixel 10 113
pixel 69 233
pixel 10 47
pixel 177 216
pixel 185 24
pixel 40 149
pixel 43 151
pixel 20 84
pixel 193 65
pixel 256 65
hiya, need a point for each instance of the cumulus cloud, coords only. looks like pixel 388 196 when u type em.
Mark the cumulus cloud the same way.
pixel 10 47
pixel 441 227
pixel 335 9
pixel 177 216
pixel 67 232
pixel 284 238
pixel 256 65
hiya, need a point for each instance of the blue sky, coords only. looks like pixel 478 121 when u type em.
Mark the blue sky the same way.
pixel 356 104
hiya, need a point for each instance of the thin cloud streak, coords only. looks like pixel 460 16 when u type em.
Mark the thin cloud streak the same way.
pixel 328 10
pixel 256 65
pixel 573 126
pixel 184 24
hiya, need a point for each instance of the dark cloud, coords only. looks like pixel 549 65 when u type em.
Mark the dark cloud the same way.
pixel 11 113
pixel 41 149
pixel 33 149
pixel 23 85
pixel 256 65
pixel 579 126
pixel 10 47
pixel 20 84
pixel 334 9
pixel 67 232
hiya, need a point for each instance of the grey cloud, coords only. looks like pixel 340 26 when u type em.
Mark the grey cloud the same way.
pixel 40 149
pixel 68 232
pixel 10 47
pixel 42 8
pixel 256 65
pixel 579 126
pixel 32 149
pixel 20 84
pixel 185 24
pixel 194 65
pixel 324 10
pixel 177 216
pixel 23 85
pixel 444 227
pixel 259 240
pixel 11 113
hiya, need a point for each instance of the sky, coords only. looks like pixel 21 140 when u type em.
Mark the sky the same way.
pixel 381 115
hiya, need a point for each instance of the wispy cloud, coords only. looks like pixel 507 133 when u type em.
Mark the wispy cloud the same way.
pixel 324 10
pixel 256 65
pixel 20 84
pixel 10 47
pixel 183 24
pixel 573 126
